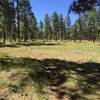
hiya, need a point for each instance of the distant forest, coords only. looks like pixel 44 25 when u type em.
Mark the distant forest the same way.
pixel 19 24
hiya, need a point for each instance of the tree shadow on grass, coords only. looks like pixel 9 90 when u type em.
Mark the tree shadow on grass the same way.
pixel 39 44
pixel 28 44
pixel 54 73
pixel 8 45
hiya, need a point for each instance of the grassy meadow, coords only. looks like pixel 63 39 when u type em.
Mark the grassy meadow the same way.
pixel 51 71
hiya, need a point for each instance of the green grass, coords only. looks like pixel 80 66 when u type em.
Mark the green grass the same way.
pixel 2 55
pixel 50 71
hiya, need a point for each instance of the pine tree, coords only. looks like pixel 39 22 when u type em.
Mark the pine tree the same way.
pixel 33 26
pixel 92 23
pixel 26 9
pixel 41 32
pixel 62 28
pixel 68 26
pixel 55 25
pixel 47 27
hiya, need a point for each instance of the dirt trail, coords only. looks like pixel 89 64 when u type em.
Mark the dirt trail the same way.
pixel 32 52
pixel 56 80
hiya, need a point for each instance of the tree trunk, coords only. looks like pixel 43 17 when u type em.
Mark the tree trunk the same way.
pixel 4 34
pixel 18 21
pixel 80 36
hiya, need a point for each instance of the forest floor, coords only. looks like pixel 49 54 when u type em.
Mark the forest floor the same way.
pixel 51 71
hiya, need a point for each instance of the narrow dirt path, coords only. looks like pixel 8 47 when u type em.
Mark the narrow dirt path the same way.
pixel 56 82
pixel 32 52
pixel 55 79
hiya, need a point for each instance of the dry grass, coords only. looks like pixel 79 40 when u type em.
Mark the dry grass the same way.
pixel 78 52
pixel 31 72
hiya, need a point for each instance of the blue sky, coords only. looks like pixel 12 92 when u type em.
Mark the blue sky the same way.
pixel 40 7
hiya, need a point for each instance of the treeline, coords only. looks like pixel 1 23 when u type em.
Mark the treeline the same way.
pixel 88 24
pixel 18 23
pixel 87 27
